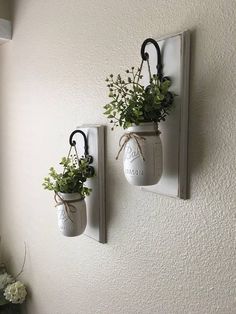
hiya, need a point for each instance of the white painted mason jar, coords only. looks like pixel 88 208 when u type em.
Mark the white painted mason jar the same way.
pixel 71 222
pixel 143 167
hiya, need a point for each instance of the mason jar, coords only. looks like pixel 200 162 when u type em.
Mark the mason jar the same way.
pixel 72 220
pixel 143 160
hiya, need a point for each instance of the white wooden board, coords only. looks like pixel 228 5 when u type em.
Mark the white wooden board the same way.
pixel 95 202
pixel 5 31
pixel 175 50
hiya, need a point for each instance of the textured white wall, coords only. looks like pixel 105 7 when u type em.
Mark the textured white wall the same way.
pixel 163 255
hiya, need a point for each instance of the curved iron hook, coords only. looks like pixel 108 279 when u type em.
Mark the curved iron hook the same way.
pixel 145 55
pixel 73 143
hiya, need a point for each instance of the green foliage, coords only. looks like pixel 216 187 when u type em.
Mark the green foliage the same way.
pixel 132 103
pixel 72 179
pixel 3 301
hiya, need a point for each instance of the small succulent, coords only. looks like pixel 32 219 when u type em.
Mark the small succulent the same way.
pixel 133 103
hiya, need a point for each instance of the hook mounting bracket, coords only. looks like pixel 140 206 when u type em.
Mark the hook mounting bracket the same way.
pixel 173 52
pixel 93 148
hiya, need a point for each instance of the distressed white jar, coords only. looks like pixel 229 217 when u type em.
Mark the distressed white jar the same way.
pixel 147 171
pixel 71 222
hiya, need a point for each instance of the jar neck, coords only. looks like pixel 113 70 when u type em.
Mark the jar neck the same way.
pixel 70 196
pixel 143 127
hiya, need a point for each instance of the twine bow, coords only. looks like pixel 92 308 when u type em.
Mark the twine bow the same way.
pixel 127 137
pixel 69 207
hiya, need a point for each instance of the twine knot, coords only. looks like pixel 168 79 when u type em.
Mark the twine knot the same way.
pixel 128 136
pixel 69 207
pixel 137 138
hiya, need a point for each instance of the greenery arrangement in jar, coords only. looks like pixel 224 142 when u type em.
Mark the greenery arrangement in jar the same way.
pixel 131 103
pixel 72 179
pixel 138 109
pixel 70 191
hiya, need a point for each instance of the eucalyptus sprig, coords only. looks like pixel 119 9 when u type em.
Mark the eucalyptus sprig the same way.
pixel 133 103
pixel 72 179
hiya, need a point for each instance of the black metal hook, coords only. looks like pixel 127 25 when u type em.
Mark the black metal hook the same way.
pixel 145 55
pixel 73 143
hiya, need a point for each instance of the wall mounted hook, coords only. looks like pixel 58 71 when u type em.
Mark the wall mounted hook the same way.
pixel 73 142
pixel 86 148
pixel 145 55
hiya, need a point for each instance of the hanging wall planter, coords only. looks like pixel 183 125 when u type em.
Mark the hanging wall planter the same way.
pixel 70 190
pixel 138 108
